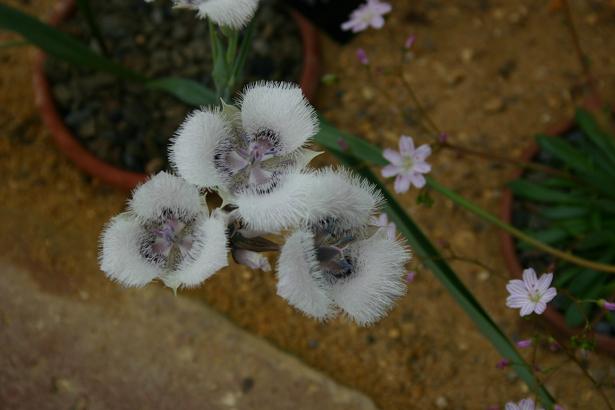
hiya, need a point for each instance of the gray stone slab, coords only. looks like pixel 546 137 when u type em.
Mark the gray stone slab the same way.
pixel 150 350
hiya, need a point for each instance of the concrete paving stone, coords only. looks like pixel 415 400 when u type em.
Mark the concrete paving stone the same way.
pixel 148 351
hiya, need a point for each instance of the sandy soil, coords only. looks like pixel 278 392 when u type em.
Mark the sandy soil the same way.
pixel 491 73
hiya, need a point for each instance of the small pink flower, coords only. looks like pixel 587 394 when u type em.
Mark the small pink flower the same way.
pixel 410 41
pixel 530 294
pixel 525 404
pixel 362 56
pixel 524 344
pixel 408 165
pixel 442 137
pixel 558 407
pixel 341 142
pixel 383 222
pixel 366 15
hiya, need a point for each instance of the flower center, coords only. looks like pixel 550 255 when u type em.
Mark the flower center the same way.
pixel 408 163
pixel 252 161
pixel 535 296
pixel 332 250
pixel 167 242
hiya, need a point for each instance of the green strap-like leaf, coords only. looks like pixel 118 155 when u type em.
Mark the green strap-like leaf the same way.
pixel 189 91
pixel 59 44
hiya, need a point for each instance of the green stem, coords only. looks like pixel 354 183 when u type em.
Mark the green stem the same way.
pixel 86 9
pixel 475 209
pixel 231 51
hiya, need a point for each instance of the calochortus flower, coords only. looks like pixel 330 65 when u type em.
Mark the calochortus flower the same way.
pixel 335 261
pixel 531 294
pixel 367 15
pixel 166 234
pixel 247 150
pixel 408 165
pixel 229 13
pixel 382 221
pixel 525 404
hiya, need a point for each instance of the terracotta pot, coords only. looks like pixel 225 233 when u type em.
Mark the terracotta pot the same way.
pixel 110 174
pixel 552 315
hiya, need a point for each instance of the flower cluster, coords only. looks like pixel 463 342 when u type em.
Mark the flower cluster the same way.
pixel 337 255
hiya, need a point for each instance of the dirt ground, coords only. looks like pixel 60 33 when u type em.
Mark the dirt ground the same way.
pixel 491 73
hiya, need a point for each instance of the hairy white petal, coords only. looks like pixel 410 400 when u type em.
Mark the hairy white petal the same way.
pixel 230 13
pixel 280 107
pixel 376 282
pixel 337 193
pixel 162 192
pixel 120 257
pixel 283 208
pixel 208 255
pixel 300 280
pixel 193 148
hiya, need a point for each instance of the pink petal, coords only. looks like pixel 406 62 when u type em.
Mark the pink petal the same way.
pixel 421 167
pixel 402 183
pixel 516 287
pixel 418 180
pixel 392 156
pixel 527 309
pixel 390 171
pixel 406 145
pixel 529 278
pixel 422 152
pixel 548 295
pixel 544 282
pixel 540 308
pixel 377 22
pixel 515 302
pixel 526 404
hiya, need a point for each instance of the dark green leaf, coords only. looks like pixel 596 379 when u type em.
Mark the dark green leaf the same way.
pixel 539 193
pixel 186 90
pixel 564 212
pixel 59 44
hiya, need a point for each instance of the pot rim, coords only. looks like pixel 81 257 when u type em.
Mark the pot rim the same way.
pixel 115 176
pixel 507 243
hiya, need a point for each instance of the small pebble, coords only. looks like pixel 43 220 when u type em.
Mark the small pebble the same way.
pixel 394 333
pixel 441 402
pixel 493 105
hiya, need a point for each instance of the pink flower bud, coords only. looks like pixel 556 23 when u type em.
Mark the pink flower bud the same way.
pixel 523 344
pixel 362 56
pixel 410 41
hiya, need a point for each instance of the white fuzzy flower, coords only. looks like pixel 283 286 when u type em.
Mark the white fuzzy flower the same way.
pixel 318 272
pixel 530 294
pixel 525 404
pixel 247 151
pixel 166 235
pixel 230 13
pixel 310 198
